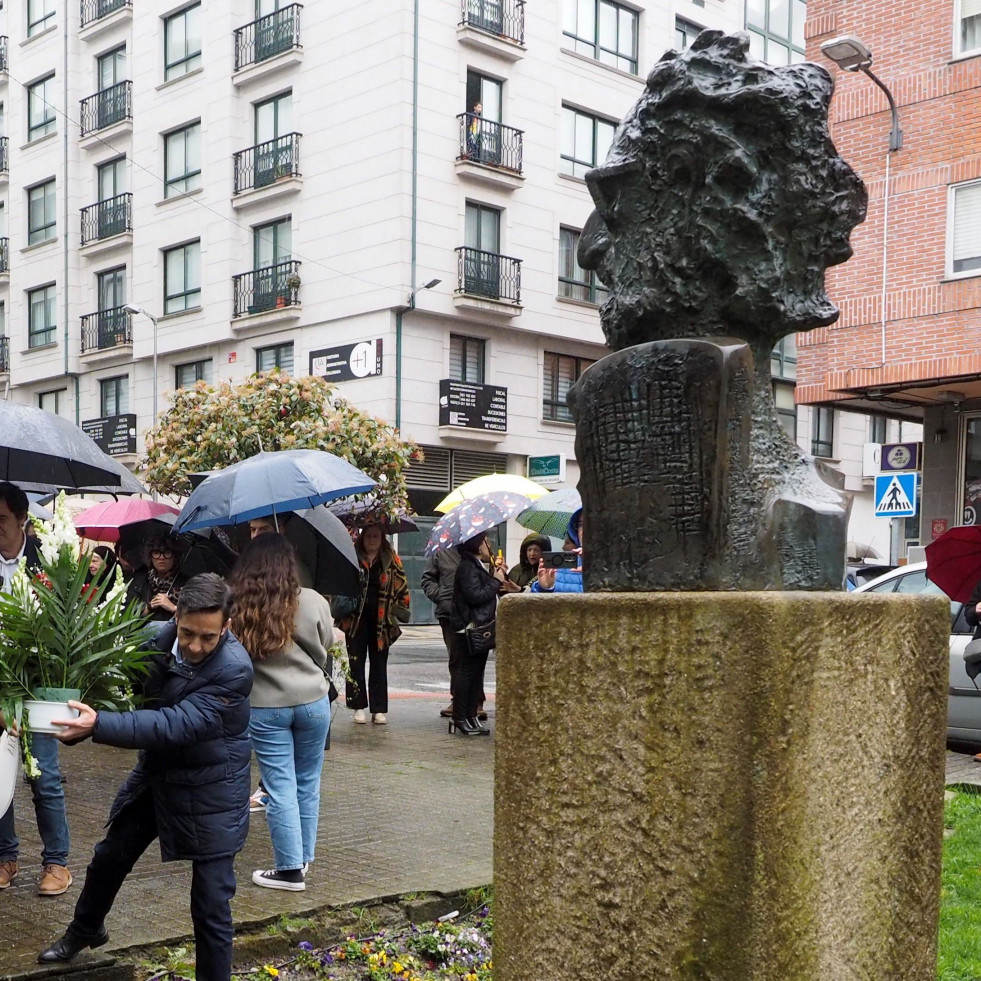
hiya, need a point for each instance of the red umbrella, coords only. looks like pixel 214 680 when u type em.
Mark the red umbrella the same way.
pixel 954 561
pixel 102 521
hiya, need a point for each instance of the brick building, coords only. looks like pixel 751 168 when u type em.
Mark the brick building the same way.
pixel 917 355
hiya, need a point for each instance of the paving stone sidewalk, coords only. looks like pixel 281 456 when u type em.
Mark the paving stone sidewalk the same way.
pixel 405 808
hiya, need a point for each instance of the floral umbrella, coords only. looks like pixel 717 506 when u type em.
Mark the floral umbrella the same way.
pixel 474 516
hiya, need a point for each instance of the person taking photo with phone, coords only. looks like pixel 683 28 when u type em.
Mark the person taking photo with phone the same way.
pixel 563 579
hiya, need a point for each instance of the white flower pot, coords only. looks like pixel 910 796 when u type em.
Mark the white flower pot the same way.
pixel 9 767
pixel 40 715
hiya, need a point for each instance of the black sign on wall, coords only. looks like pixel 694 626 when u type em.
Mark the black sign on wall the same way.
pixel 347 362
pixel 473 406
pixel 115 435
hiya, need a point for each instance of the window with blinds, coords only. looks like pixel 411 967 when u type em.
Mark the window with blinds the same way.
pixel 467 359
pixel 966 245
pixel 970 32
pixel 560 373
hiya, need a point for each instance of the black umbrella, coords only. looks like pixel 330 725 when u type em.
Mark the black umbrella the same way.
pixel 40 450
pixel 324 546
pixel 203 551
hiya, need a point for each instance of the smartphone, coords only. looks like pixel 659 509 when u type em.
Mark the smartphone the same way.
pixel 555 560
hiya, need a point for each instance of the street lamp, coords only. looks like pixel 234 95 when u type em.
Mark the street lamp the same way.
pixel 849 54
pixel 134 309
pixel 399 313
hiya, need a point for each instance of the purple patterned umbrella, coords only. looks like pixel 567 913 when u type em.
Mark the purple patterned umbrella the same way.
pixel 473 516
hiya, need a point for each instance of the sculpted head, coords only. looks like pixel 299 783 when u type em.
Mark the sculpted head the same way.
pixel 722 201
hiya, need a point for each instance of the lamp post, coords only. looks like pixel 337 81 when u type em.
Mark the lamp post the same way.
pixel 132 308
pixel 851 55
pixel 399 313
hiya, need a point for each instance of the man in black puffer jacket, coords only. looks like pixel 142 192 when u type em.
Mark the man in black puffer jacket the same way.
pixel 191 784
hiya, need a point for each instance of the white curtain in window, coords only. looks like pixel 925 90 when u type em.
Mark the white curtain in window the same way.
pixel 967 227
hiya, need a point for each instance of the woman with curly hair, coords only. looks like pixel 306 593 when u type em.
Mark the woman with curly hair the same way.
pixel 374 627
pixel 287 632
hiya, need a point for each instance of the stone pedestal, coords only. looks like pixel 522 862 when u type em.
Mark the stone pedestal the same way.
pixel 719 786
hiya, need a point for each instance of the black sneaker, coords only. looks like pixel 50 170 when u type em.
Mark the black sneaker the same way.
pixel 291 879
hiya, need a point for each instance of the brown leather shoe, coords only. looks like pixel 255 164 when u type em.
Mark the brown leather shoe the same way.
pixel 8 872
pixel 55 879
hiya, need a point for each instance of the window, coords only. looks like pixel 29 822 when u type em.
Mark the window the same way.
pixel 685 32
pixel 3 319
pixel 574 281
pixel 182 160
pixel 467 359
pixel 273 117
pixel 776 30
pixel 182 42
pixel 969 23
pixel 966 228
pixel 560 374
pixel 40 16
pixel 55 401
pixel 272 243
pixel 482 257
pixel 41 213
pixel 783 360
pixel 111 286
pixel 277 356
pixel 585 141
pixel 111 179
pixel 185 375
pixel 822 431
pixel 42 323
pixel 877 429
pixel 114 396
pixel 602 30
pixel 182 277
pixel 40 111
pixel 783 398
pixel 111 68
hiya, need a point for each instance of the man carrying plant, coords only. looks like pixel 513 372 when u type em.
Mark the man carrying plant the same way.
pixel 190 786
pixel 49 795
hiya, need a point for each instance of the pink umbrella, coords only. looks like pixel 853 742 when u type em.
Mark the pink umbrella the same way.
pixel 102 521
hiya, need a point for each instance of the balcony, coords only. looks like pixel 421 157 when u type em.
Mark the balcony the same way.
pixel 489 152
pixel 3 53
pixel 267 37
pixel 93 10
pixel 4 355
pixel 107 219
pixel 106 329
pixel 488 282
pixel 4 256
pixel 497 26
pixel 273 164
pixel 273 291
pixel 107 108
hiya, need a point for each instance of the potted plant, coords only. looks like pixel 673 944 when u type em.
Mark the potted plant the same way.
pixel 293 282
pixel 62 639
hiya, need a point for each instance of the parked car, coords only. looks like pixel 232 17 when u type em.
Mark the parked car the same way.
pixel 863 572
pixel 963 696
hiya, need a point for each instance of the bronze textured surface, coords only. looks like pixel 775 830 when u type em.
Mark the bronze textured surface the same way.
pixel 719 786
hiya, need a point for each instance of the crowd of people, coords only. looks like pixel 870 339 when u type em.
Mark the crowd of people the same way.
pixel 240 668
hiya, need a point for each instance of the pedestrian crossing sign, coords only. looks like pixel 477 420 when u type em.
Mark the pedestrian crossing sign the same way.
pixel 895 495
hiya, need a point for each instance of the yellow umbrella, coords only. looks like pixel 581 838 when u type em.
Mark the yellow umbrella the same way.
pixel 510 482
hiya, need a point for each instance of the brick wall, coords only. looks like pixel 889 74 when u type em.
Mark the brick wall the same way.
pixel 932 324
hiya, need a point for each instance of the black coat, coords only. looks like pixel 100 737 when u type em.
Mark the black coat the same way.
pixel 438 578
pixel 971 610
pixel 474 593
pixel 139 589
pixel 194 749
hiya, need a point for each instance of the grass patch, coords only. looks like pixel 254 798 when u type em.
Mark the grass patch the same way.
pixel 960 896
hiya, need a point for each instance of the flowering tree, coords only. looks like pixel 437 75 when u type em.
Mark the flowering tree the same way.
pixel 209 427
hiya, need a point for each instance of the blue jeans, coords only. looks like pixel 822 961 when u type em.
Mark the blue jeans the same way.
pixel 49 808
pixel 289 747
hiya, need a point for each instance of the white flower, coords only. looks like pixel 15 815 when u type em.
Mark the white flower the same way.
pixel 118 587
pixel 58 533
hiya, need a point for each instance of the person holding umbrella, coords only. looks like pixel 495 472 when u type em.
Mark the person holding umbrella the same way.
pixel 374 627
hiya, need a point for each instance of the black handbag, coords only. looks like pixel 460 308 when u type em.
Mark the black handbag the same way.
pixel 481 637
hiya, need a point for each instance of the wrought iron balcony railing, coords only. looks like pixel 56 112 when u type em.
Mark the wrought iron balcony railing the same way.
pixel 486 142
pixel 268 288
pixel 3 52
pixel 505 18
pixel 107 218
pixel 93 10
pixel 106 328
pixel 4 255
pixel 4 354
pixel 4 144
pixel 105 108
pixel 262 165
pixel 268 36
pixel 488 274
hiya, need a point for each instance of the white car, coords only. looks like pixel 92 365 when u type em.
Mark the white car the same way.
pixel 963 697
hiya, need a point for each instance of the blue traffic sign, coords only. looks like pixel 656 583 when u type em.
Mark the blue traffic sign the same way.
pixel 895 495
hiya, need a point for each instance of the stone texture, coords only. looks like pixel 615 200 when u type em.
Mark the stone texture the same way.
pixel 721 786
